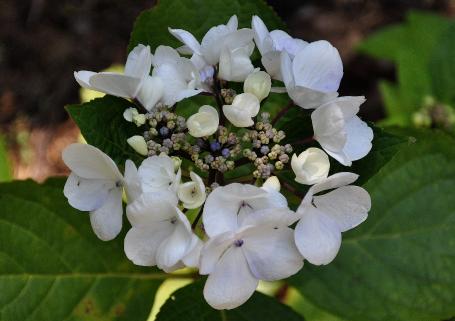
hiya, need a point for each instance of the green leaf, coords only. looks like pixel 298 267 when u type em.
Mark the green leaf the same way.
pixel 196 16
pixel 409 45
pixel 188 303
pixel 52 266
pixel 398 265
pixel 5 166
pixel 442 66
pixel 102 124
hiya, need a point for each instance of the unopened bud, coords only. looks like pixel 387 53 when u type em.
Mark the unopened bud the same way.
pixel 138 144
pixel 258 83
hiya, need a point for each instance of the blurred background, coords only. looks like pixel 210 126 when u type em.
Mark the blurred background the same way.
pixel 43 41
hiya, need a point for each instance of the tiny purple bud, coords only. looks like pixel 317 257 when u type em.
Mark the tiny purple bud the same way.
pixel 164 131
pixel 215 146
pixel 225 152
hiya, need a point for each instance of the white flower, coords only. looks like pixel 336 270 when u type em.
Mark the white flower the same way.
pixel 235 45
pixel 179 75
pixel 341 133
pixel 138 143
pixel 160 234
pixel 249 241
pixel 244 107
pixel 157 174
pixel 324 217
pixel 270 45
pixel 192 194
pixel 272 183
pixel 204 122
pixel 95 185
pixel 259 84
pixel 311 166
pixel 313 76
pixel 135 83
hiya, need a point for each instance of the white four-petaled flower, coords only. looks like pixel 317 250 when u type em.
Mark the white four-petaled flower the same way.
pixel 204 123
pixel 249 240
pixel 324 217
pixel 135 83
pixel 222 44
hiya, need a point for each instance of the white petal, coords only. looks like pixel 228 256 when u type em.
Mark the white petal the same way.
pixel 150 208
pixel 231 283
pixel 187 38
pixel 271 253
pixel 239 39
pixel 308 98
pixel 157 173
pixel 141 243
pixel 225 203
pixel 235 65
pixel 317 236
pixel 139 62
pixel 331 182
pixel 116 84
pixel 359 137
pixel 286 71
pixel 318 66
pixel 329 127
pixel 192 258
pixel 294 46
pixel 279 38
pixel 83 78
pixel 233 23
pixel 261 35
pixel 89 162
pixel 347 205
pixel 212 251
pixel 86 194
pixel 165 55
pixel 152 90
pixel 173 248
pixel 132 181
pixel 272 64
pixel 107 220
pixel 211 44
pixel 271 217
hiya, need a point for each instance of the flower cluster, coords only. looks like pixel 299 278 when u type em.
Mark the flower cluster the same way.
pixel 237 233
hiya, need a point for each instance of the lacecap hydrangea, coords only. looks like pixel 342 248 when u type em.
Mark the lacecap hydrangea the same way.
pixel 182 209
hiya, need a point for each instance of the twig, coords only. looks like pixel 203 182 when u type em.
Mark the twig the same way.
pixel 282 112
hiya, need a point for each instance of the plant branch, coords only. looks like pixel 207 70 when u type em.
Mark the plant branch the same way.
pixel 282 112
pixel 292 189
